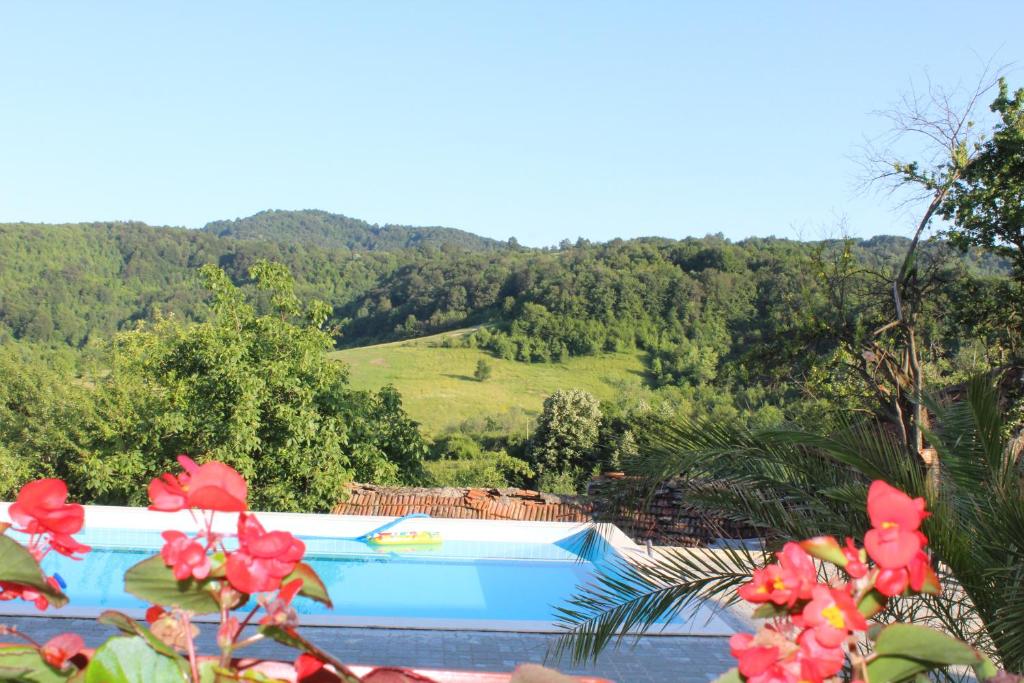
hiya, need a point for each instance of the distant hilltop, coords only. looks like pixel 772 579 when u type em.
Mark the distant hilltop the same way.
pixel 333 230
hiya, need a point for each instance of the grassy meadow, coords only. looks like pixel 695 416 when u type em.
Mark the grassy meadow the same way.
pixel 438 388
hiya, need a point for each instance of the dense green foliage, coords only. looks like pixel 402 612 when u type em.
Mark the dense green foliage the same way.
pixel 565 439
pixel 987 204
pixel 331 230
pixel 763 330
pixel 255 391
pixel 459 460
pixel 71 284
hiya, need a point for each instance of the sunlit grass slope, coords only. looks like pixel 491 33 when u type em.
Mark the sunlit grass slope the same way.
pixel 438 388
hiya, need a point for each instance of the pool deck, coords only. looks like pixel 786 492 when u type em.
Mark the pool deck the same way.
pixel 650 659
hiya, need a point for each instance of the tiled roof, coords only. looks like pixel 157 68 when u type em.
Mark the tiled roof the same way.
pixel 462 503
pixel 665 517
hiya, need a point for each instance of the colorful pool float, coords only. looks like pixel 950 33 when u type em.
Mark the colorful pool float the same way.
pixel 405 538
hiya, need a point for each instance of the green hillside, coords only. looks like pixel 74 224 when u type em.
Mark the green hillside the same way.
pixel 332 230
pixel 438 388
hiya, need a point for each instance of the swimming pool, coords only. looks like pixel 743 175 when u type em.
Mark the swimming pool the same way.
pixel 471 581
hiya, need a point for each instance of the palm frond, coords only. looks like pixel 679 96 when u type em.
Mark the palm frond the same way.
pixel 790 484
pixel 631 598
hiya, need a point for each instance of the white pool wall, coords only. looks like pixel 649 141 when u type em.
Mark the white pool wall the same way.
pixel 350 526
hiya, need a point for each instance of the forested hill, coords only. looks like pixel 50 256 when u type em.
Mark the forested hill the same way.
pixel 690 303
pixel 330 230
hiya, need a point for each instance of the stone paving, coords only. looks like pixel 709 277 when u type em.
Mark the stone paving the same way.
pixel 651 659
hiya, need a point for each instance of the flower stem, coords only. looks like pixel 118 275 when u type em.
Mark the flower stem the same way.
pixel 190 643
pixel 13 631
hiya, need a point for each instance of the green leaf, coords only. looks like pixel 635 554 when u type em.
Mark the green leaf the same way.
pixel 131 627
pixel 825 548
pixel 925 645
pixel 312 586
pixel 24 663
pixel 12 674
pixel 893 669
pixel 130 660
pixel 871 604
pixel 208 672
pixel 985 669
pixel 730 676
pixel 769 610
pixel 154 582
pixel 18 566
pixel 291 638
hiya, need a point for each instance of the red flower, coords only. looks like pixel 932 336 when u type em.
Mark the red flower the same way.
pixel 154 613
pixel 263 558
pixel 784 583
pixel 14 591
pixel 816 661
pixel 42 507
pixel 210 486
pixel 918 575
pixel 753 659
pixel 831 615
pixel 167 493
pixel 766 657
pixel 279 610
pixel 186 556
pixel 855 566
pixel 59 649
pixel 306 665
pixel 896 518
pixel 66 545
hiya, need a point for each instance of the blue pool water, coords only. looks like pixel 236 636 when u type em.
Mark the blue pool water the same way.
pixel 458 580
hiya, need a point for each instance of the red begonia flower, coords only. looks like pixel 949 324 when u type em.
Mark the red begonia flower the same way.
pixel 210 486
pixel 831 615
pixel 167 493
pixel 154 613
pixel 923 578
pixel 263 558
pixel 784 583
pixel 42 507
pixel 67 545
pixel 816 661
pixel 767 657
pixel 14 591
pixel 855 567
pixel 279 610
pixel 892 582
pixel 59 649
pixel 185 556
pixel 918 574
pixel 306 665
pixel 215 486
pixel 753 659
pixel 895 517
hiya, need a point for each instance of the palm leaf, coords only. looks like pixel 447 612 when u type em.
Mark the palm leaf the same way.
pixel 791 484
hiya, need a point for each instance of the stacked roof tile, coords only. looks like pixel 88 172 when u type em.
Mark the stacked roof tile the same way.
pixel 460 503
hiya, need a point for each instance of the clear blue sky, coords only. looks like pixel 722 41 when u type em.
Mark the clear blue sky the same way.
pixel 543 120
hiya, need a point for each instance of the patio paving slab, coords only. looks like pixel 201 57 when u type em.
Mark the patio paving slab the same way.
pixel 650 659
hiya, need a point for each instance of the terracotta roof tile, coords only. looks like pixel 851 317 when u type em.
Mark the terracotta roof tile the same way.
pixel 666 520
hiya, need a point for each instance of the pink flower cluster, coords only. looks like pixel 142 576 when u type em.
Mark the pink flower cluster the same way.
pixel 815 624
pixel 41 510
pixel 262 558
